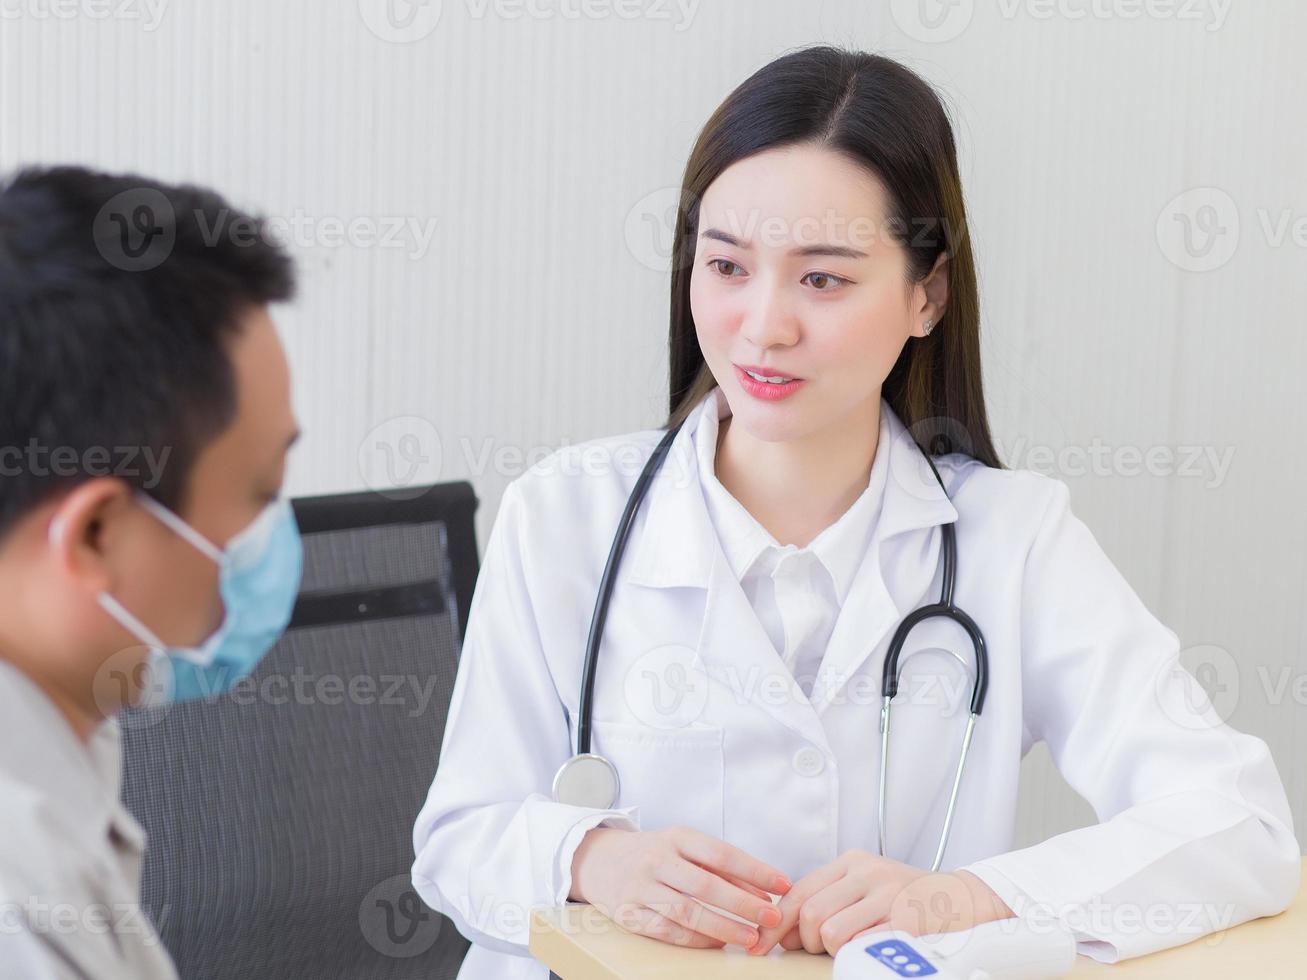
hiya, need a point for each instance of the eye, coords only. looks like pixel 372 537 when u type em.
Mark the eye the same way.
pixel 723 267
pixel 824 282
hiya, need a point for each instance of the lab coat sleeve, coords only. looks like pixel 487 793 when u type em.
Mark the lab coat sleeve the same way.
pixel 1195 832
pixel 490 841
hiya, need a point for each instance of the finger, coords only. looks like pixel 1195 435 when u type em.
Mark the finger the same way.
pixel 685 911
pixel 718 855
pixel 653 924
pixel 793 900
pixel 751 889
pixel 860 916
pixel 701 883
pixel 823 906
pixel 792 940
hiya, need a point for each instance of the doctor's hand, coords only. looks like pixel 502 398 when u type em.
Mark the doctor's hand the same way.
pixel 860 891
pixel 651 883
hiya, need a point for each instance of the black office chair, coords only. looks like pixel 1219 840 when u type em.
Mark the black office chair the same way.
pixel 281 814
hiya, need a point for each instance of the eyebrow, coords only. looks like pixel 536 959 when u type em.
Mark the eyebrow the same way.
pixel 837 251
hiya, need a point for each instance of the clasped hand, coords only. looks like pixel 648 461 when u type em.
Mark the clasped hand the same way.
pixel 860 891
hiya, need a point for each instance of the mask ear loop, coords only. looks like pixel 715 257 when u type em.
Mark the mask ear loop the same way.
pixel 129 622
pixel 174 523
pixel 183 529
pixel 110 605
pixel 116 609
pixel 199 657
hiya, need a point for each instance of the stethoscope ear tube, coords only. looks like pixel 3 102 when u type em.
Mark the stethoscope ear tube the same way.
pixel 944 609
pixel 585 707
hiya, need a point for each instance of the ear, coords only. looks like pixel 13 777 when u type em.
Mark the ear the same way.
pixel 931 297
pixel 81 527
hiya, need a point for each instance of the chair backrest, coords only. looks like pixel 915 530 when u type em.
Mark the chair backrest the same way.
pixel 280 815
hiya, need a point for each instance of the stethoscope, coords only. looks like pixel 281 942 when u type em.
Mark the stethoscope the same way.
pixel 590 780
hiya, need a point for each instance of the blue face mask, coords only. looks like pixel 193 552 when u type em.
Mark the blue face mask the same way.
pixel 259 578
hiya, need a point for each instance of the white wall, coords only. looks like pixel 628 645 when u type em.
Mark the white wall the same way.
pixel 534 147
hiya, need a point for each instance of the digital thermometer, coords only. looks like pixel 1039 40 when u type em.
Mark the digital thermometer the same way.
pixel 1006 949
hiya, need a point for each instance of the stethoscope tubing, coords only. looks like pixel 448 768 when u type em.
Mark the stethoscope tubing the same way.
pixel 600 615
pixel 944 609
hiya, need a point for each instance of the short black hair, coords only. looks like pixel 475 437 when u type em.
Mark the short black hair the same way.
pixel 118 297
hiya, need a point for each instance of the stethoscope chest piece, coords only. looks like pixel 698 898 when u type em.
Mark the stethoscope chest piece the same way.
pixel 587 780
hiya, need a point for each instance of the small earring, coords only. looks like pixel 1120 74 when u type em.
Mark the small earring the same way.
pixel 927 325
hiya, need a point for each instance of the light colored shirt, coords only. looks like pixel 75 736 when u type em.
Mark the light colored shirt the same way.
pixel 796 593
pixel 70 853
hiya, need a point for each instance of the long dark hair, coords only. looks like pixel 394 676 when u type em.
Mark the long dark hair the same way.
pixel 885 117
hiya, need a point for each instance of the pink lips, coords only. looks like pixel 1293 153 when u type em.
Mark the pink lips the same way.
pixel 765 390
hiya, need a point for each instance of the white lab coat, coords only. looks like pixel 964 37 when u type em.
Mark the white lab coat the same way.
pixel 709 730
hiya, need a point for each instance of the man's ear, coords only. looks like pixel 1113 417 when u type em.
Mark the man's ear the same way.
pixel 83 523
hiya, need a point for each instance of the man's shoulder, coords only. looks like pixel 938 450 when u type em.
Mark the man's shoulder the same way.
pixel 38 852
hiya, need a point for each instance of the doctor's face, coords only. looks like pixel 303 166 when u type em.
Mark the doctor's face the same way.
pixel 795 276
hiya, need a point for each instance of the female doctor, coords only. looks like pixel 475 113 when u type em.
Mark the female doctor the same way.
pixel 824 338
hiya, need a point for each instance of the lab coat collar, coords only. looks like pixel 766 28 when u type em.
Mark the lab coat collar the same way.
pixel 677 545
pixel 838 549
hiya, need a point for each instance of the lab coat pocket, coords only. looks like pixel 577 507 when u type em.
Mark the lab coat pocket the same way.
pixel 675 776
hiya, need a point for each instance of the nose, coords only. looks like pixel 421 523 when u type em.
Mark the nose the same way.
pixel 768 321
